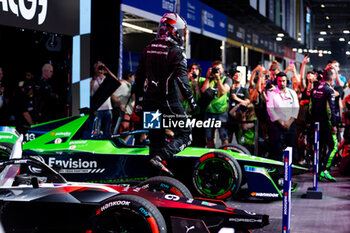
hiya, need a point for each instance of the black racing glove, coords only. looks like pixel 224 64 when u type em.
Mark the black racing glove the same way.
pixel 193 105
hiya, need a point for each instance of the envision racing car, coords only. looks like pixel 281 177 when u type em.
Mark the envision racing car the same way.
pixel 35 198
pixel 209 173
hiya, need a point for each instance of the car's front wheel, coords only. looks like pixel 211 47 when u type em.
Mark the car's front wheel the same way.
pixel 217 175
pixel 167 185
pixel 128 214
pixel 235 148
pixel 5 150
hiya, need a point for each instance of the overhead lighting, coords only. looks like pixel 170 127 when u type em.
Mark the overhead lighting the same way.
pixel 348 42
pixel 327 17
pixel 325 51
pixel 280 35
pixel 323 6
pixel 347 53
pixel 279 38
pixel 341 39
pixel 320 39
pixel 299 39
pixel 323 33
pixel 329 26
pixel 300 51
pixel 346 31
pixel 305 50
pixel 295 49
pixel 329 52
pixel 310 50
pixel 138 28
pixel 320 54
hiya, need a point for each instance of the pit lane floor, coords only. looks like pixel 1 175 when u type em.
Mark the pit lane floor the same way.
pixel 329 214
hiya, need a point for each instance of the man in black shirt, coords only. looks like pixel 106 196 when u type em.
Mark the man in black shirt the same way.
pixel 45 97
pixel 322 108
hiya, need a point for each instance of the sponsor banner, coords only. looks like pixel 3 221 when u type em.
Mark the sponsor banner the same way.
pixel 248 37
pixel 240 34
pixel 255 40
pixel 232 29
pixel 279 50
pixel 287 159
pixel 214 23
pixel 288 52
pixel 153 10
pixel 60 17
pixel 191 10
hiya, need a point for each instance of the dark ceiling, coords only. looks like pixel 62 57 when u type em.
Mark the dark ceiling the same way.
pixel 333 17
pixel 338 12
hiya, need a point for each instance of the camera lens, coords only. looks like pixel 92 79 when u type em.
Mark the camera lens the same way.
pixel 215 70
pixel 100 67
pixel 194 75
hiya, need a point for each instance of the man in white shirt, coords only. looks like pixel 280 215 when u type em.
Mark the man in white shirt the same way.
pixel 104 112
pixel 122 98
pixel 282 107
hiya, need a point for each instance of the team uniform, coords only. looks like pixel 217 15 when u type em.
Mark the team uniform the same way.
pixel 163 66
pixel 322 108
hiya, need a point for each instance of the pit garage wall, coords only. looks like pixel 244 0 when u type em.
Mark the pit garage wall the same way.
pixel 98 41
pixel 65 17
pixel 81 60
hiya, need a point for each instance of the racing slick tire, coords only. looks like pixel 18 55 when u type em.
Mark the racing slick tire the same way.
pixel 217 175
pixel 167 185
pixel 235 148
pixel 5 150
pixel 128 213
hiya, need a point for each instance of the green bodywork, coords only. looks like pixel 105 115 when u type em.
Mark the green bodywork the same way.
pixel 66 133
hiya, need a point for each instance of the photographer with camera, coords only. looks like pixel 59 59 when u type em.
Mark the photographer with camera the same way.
pixel 196 82
pixel 216 87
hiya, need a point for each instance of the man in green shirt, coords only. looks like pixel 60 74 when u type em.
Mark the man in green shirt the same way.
pixel 220 85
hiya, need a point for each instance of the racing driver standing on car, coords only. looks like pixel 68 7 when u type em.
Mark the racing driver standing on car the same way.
pixel 163 66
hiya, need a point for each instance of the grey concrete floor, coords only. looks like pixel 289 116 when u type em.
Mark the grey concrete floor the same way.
pixel 330 214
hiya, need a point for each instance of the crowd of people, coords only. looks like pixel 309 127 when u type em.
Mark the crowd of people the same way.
pixel 30 101
pixel 283 107
pixel 275 108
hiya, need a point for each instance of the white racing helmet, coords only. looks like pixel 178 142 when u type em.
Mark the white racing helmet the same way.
pixel 172 27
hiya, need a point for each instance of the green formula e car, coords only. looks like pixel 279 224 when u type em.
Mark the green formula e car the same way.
pixel 209 173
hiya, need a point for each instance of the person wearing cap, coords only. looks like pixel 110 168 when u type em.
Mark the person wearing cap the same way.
pixel 283 107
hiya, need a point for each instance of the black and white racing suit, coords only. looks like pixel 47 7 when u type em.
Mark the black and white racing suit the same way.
pixel 164 66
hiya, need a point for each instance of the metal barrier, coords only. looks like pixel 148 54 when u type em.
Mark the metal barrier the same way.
pixel 314 192
pixel 287 193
